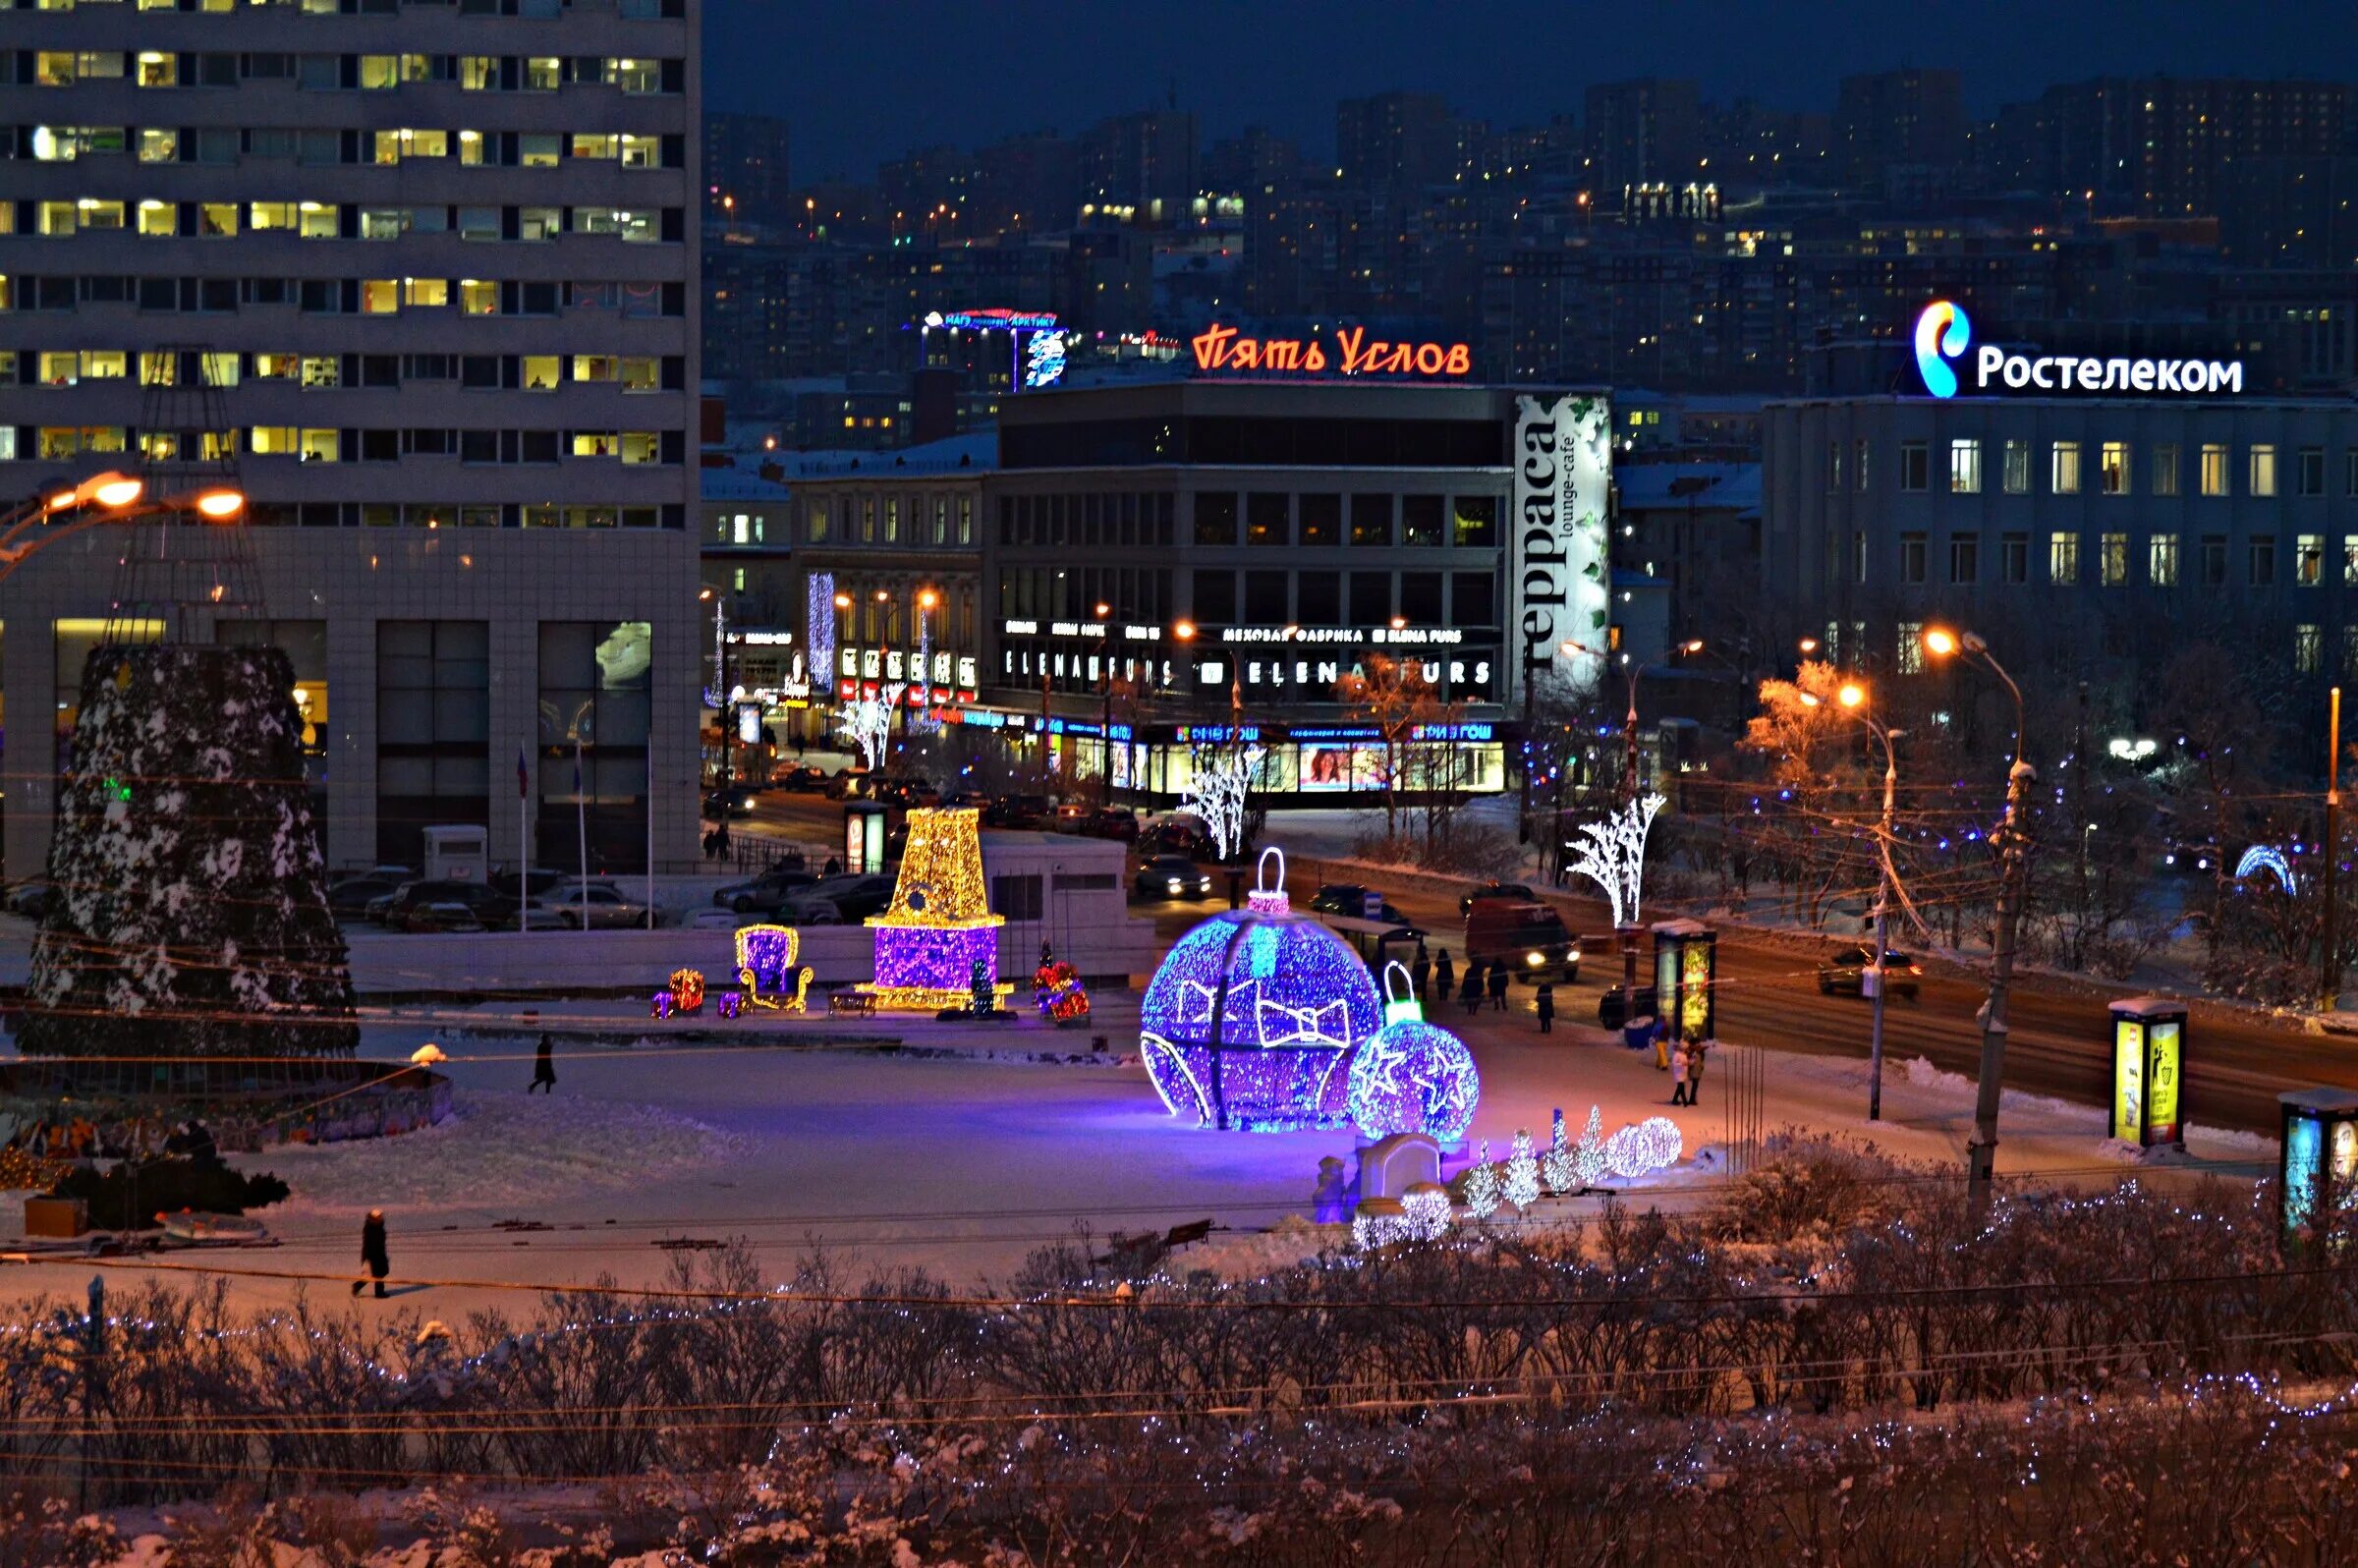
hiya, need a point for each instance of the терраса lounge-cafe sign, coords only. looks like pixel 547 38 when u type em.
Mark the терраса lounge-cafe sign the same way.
pixel 1945 332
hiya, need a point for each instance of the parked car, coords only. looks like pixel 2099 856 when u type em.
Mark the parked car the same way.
pixel 488 905
pixel 1529 939
pixel 767 891
pixel 1515 891
pixel 1171 877
pixel 1845 970
pixel 349 898
pixel 894 790
pixel 599 907
pixel 725 919
pixel 441 915
pixel 1116 822
pixel 1617 1006
pixel 856 897
pixel 536 916
pixel 1019 812
pixel 848 784
pixel 32 898
pixel 1176 836
pixel 532 883
pixel 1356 902
pixel 798 778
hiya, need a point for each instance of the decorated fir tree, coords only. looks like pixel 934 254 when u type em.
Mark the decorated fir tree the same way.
pixel 192 916
pixel 1482 1185
pixel 1556 1166
pixel 1522 1173
pixel 1588 1155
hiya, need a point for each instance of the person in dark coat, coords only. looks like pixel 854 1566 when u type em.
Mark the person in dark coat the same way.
pixel 1470 992
pixel 1498 982
pixel 545 1067
pixel 372 1252
pixel 1445 975
pixel 1544 1005
pixel 1420 974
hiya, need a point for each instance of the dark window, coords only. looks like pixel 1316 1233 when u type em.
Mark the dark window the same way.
pixel 596 692
pixel 1914 465
pixel 478 446
pixel 1319 599
pixel 1473 597
pixel 1266 520
pixel 2263 559
pixel 1016 898
pixel 1216 598
pixel 1215 517
pixel 2014 557
pixel 1421 599
pixel 1264 598
pixel 538 446
pixel 2214 560
pixel 1371 598
pixel 478 370
pixel 1421 521
pixel 433 728
pixel 1372 520
pixel 1911 557
pixel 1964 559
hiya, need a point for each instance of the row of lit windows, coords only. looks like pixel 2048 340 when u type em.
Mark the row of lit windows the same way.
pixel 534 149
pixel 366 72
pixel 326 444
pixel 632 302
pixel 2214 468
pixel 2308 647
pixel 538 372
pixel 2114 559
pixel 873 520
pixel 327 220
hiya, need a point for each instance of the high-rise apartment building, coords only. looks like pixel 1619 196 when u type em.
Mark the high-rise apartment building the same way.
pixel 748 174
pixel 1646 131
pixel 427 274
pixel 1891 123
pixel 2163 147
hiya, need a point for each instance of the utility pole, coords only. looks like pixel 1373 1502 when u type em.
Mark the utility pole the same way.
pixel 1629 796
pixel 1883 930
pixel 2330 962
pixel 1981 1155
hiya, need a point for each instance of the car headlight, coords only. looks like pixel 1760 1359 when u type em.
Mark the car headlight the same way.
pixel 1172 885
pixel 1572 955
pixel 1535 959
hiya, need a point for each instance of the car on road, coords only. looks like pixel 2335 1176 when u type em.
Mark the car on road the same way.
pixel 1171 877
pixel 1515 892
pixel 1845 970
pixel 349 898
pixel 1357 902
pixel 849 784
pixel 1176 836
pixel 1529 939
pixel 798 778
pixel 767 891
pixel 735 801
pixel 599 907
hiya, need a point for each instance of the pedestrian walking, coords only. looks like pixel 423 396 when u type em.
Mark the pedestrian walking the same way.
pixel 1662 1045
pixel 1499 977
pixel 372 1252
pixel 1470 992
pixel 1695 1056
pixel 1420 974
pixel 545 1067
pixel 1445 975
pixel 833 868
pixel 1544 1005
pixel 1678 1075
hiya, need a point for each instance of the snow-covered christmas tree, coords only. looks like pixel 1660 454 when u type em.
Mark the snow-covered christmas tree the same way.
pixel 1482 1185
pixel 1522 1173
pixel 1556 1166
pixel 1588 1155
pixel 191 914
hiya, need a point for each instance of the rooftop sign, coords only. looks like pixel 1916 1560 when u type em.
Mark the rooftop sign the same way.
pixel 1943 332
pixel 1223 349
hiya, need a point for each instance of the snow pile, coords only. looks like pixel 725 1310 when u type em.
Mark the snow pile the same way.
pixel 502 1150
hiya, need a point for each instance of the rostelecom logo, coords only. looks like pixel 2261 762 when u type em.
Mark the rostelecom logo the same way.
pixel 1941 333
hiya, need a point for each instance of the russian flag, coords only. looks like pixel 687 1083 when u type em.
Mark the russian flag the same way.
pixel 524 779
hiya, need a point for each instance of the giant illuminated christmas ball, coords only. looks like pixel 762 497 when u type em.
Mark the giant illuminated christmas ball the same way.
pixel 1412 1077
pixel 1254 1016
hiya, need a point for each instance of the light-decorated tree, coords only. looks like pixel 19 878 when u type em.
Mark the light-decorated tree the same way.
pixel 1482 1184
pixel 192 916
pixel 1612 855
pixel 1223 777
pixel 867 722
pixel 1588 1155
pixel 1522 1173
pixel 1556 1166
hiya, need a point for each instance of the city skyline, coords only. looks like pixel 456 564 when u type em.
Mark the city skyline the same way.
pixel 1234 65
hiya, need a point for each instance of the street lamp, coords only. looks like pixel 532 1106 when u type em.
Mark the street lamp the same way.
pixel 1852 698
pixel 109 497
pixel 1982 1153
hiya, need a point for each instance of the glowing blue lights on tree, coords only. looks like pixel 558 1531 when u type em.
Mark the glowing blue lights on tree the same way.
pixel 818 632
pixel 1253 1018
pixel 1412 1077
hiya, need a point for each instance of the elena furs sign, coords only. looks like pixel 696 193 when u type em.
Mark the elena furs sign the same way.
pixel 1943 332
pixel 1558 568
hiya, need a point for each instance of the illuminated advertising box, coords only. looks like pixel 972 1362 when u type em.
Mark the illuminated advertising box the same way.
pixel 2148 1044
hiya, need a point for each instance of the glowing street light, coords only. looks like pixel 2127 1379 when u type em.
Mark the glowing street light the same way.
pixel 1851 694
pixel 1939 642
pixel 220 505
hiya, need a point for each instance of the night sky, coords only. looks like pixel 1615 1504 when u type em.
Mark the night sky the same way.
pixel 860 81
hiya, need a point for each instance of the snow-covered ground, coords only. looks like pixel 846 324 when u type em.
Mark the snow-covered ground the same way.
pixel 964 1164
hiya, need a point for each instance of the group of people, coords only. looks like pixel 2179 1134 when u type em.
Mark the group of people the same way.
pixel 1482 982
pixel 79 1137
pixel 1682 1059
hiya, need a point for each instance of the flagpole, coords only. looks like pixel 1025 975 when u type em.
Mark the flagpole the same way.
pixel 524 840
pixel 581 822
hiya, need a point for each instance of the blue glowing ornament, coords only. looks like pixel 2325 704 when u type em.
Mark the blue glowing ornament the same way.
pixel 1253 1018
pixel 1412 1077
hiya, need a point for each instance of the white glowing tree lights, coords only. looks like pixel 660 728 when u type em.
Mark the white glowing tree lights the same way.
pixel 1482 1184
pixel 1652 1145
pixel 1612 855
pixel 1522 1185
pixel 1223 777
pixel 1588 1155
pixel 867 721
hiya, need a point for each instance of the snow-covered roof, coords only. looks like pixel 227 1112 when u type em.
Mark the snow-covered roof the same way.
pixel 1646 486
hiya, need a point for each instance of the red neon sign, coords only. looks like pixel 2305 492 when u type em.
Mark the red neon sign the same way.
pixel 1223 348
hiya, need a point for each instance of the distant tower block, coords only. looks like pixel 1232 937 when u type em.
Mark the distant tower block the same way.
pixel 939 924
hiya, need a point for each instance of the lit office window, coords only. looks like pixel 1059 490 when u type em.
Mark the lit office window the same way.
pixel 2161 560
pixel 1965 466
pixel 2064 473
pixel 2264 469
pixel 2113 468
